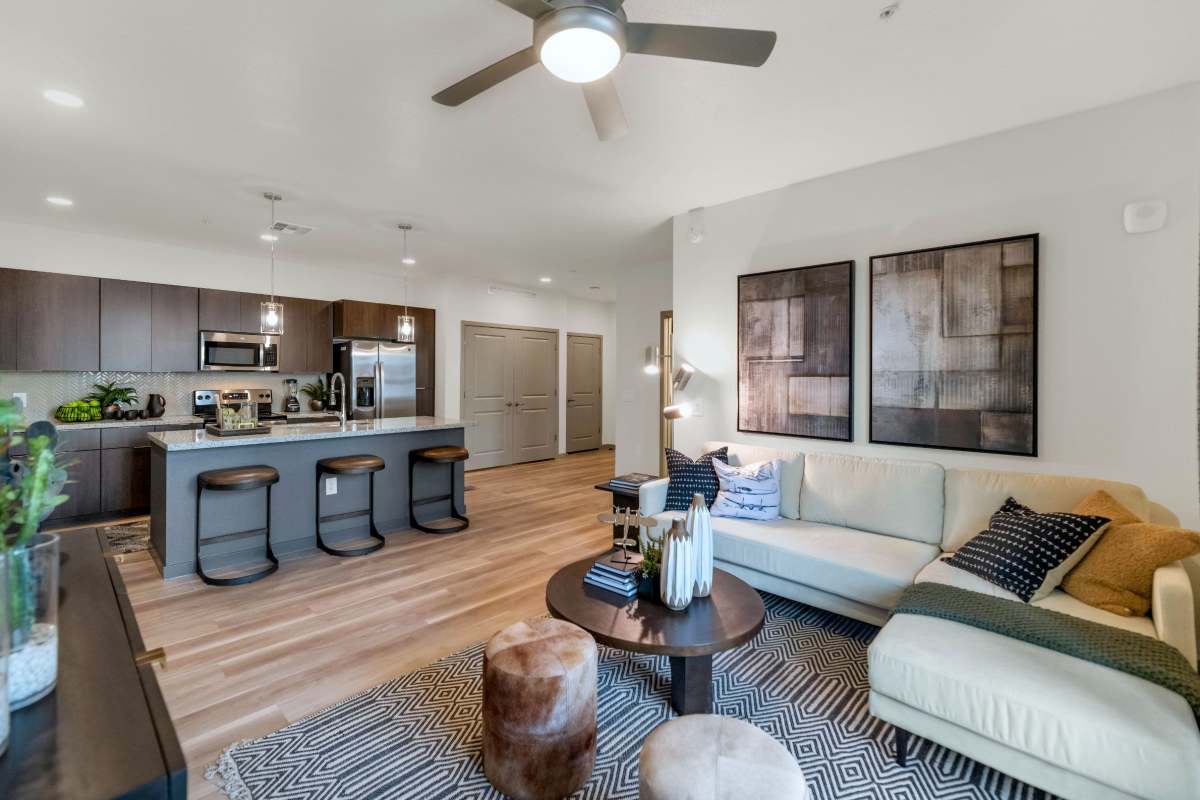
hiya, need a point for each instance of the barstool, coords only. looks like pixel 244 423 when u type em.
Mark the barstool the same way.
pixel 236 479
pixel 350 465
pixel 436 455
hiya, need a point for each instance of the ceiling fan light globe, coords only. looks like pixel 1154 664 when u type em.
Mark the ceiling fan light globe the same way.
pixel 580 55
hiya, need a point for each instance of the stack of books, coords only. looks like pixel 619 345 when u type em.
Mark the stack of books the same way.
pixel 632 481
pixel 614 574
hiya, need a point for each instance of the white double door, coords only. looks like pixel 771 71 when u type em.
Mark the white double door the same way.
pixel 510 392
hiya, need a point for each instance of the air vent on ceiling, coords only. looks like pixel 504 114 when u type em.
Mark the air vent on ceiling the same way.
pixel 291 227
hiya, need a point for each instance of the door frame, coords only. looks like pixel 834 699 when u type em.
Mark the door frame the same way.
pixel 558 395
pixel 599 338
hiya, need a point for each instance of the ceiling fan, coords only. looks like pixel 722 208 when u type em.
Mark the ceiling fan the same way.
pixel 583 41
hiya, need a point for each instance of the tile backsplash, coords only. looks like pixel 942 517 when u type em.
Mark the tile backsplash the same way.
pixel 49 390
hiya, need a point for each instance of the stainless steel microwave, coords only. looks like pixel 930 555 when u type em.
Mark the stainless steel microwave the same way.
pixel 239 352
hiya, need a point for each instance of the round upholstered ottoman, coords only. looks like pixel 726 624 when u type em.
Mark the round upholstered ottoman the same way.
pixel 707 757
pixel 539 709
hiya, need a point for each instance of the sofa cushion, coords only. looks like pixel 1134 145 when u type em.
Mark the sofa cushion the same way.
pixel 791 473
pixel 861 566
pixel 688 478
pixel 941 572
pixel 973 495
pixel 1114 728
pixel 749 492
pixel 892 497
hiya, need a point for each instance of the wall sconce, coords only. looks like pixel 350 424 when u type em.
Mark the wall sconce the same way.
pixel 682 377
pixel 678 411
pixel 653 358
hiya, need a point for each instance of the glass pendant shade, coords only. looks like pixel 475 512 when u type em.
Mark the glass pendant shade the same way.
pixel 406 329
pixel 270 318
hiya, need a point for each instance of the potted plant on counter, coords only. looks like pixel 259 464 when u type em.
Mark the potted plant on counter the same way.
pixel 111 397
pixel 30 489
pixel 317 394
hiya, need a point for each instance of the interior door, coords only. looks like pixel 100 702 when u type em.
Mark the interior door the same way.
pixel 535 409
pixel 487 378
pixel 584 381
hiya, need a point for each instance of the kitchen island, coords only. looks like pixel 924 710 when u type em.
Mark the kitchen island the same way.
pixel 177 457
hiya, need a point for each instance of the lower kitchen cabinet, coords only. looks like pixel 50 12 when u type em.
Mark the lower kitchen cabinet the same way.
pixel 83 487
pixel 125 479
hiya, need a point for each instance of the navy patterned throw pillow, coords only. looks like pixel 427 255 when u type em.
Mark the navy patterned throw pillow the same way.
pixel 1028 553
pixel 688 477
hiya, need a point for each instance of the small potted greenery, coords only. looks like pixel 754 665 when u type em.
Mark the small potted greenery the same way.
pixel 650 570
pixel 317 394
pixel 111 397
pixel 30 488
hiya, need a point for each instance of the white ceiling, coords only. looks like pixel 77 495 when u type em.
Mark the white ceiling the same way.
pixel 194 108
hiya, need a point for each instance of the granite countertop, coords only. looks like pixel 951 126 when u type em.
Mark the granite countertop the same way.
pixel 176 419
pixel 173 441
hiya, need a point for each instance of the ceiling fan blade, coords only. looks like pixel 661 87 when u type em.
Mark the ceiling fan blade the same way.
pixel 487 77
pixel 747 48
pixel 530 8
pixel 605 106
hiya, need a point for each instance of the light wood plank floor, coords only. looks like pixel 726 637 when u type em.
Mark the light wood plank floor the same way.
pixel 245 661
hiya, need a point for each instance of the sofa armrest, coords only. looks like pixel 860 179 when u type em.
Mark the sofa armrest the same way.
pixel 652 497
pixel 1173 609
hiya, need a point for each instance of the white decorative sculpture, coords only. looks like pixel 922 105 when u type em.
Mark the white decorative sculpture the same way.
pixel 699 525
pixel 678 567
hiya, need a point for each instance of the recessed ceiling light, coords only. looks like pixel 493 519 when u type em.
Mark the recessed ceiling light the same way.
pixel 60 201
pixel 546 280
pixel 61 98
pixel 269 237
pixel 408 261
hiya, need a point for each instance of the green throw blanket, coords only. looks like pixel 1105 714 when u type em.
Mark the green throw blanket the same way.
pixel 1143 656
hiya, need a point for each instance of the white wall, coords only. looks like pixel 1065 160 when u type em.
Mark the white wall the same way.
pixel 643 293
pixel 456 298
pixel 1117 327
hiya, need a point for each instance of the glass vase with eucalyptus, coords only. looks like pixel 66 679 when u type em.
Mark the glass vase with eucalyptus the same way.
pixel 30 488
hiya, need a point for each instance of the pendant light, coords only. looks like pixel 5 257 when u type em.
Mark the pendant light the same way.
pixel 270 318
pixel 406 324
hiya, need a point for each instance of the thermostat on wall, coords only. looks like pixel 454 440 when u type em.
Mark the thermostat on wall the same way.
pixel 1145 217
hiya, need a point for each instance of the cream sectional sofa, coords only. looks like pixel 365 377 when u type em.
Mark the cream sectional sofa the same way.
pixel 855 532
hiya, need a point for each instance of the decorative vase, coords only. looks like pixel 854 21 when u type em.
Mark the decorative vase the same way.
pixel 648 588
pixel 699 524
pixel 32 620
pixel 4 723
pixel 678 567
pixel 316 405
pixel 113 411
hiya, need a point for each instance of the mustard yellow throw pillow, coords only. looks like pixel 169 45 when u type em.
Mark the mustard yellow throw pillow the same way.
pixel 1118 574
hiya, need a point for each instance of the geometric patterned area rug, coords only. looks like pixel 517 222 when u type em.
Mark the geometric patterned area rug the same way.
pixel 803 680
pixel 125 539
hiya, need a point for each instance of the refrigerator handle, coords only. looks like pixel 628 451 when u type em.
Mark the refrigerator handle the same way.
pixel 379 390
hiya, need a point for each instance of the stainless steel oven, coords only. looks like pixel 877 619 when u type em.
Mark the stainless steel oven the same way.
pixel 239 352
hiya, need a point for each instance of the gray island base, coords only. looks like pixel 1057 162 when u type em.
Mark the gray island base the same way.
pixel 177 457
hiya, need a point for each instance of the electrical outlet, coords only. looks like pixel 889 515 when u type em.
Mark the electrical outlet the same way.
pixel 330 486
pixel 22 399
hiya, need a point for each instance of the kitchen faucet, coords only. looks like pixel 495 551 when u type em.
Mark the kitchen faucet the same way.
pixel 335 380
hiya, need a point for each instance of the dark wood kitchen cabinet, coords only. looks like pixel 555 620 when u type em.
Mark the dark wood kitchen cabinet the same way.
pixel 175 328
pixel 125 326
pixel 58 322
pixel 293 344
pixel 125 479
pixel 83 489
pixel 251 305
pixel 357 319
pixel 8 318
pixel 425 333
pixel 320 337
pixel 220 310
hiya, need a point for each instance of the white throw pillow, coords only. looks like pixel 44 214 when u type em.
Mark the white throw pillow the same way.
pixel 748 492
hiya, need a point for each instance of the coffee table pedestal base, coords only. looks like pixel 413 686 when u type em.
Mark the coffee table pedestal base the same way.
pixel 691 684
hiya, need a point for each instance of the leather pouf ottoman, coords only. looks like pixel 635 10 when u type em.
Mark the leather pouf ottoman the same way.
pixel 539 709
pixel 707 757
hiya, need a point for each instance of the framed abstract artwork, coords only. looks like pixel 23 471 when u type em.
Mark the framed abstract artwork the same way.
pixel 954 347
pixel 795 351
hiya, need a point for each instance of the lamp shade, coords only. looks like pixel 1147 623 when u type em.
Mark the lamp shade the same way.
pixel 406 328
pixel 270 318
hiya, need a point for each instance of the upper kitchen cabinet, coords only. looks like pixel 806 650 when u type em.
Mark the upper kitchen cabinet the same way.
pixel 8 318
pixel 174 315
pixel 425 334
pixel 320 337
pixel 125 326
pixel 357 319
pixel 220 310
pixel 251 305
pixel 293 344
pixel 58 322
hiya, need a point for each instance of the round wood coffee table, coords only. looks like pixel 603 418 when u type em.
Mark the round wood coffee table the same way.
pixel 732 615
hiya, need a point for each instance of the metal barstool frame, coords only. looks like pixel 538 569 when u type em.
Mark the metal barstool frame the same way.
pixel 251 577
pixel 369 512
pixel 413 460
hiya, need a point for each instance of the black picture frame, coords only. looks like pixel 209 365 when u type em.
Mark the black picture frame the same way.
pixel 1031 380
pixel 826 427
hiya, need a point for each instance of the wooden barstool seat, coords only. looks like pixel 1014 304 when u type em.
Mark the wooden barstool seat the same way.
pixel 365 464
pixel 236 479
pixel 446 454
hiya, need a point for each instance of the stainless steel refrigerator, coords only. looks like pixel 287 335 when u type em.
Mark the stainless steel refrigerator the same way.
pixel 381 378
